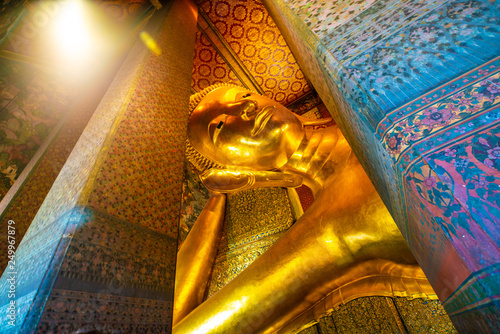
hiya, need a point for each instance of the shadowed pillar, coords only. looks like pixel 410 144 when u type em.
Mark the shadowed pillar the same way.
pixel 100 253
pixel 415 88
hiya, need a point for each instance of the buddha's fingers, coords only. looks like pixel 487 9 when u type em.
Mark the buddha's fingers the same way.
pixel 233 180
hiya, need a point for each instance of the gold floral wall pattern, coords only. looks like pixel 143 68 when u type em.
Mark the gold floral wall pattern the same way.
pixel 258 44
pixel 209 68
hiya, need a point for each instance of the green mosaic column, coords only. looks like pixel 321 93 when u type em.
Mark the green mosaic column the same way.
pixel 100 253
pixel 415 88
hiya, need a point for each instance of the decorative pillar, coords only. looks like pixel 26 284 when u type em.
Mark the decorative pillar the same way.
pixel 414 86
pixel 100 253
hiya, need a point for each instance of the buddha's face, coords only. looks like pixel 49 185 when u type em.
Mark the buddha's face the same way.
pixel 235 127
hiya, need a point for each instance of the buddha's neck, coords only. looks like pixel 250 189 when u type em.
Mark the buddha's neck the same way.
pixel 320 158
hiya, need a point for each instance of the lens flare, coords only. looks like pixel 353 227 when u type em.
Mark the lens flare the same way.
pixel 150 43
pixel 73 31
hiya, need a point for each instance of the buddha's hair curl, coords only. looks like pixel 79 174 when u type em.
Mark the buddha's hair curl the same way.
pixel 200 162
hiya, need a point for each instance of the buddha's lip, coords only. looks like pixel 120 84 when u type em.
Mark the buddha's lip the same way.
pixel 261 119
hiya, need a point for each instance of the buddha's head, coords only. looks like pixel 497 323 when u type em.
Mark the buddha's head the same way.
pixel 234 127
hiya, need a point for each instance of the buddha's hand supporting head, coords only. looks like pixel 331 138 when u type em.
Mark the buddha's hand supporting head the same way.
pixel 230 180
pixel 237 128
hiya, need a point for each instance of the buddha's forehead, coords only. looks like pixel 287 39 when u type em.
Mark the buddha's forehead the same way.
pixel 224 94
pixel 215 103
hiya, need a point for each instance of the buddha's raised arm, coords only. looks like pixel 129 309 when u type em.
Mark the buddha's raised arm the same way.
pixel 346 244
pixel 196 257
pixel 233 180
pixel 197 254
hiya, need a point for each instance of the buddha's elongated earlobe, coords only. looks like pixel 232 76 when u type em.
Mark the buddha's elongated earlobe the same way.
pixel 232 180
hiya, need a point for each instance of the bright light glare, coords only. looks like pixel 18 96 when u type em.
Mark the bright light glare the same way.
pixel 249 142
pixel 150 43
pixel 72 31
pixel 222 316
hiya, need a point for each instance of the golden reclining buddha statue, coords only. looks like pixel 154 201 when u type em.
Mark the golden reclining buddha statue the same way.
pixel 346 245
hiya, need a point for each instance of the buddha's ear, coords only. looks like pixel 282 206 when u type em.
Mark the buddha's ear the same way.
pixel 311 122
pixel 233 180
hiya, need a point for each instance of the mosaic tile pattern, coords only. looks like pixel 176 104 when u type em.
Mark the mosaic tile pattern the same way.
pixel 23 208
pixel 254 37
pixel 404 48
pixel 379 20
pixel 482 283
pixel 423 316
pixel 449 176
pixel 104 313
pixel 369 314
pixel 209 68
pixel 254 213
pixel 75 173
pixel 229 263
pixel 326 325
pixel 377 39
pixel 145 187
pixel 316 65
pixel 436 47
pixel 34 272
pixel 194 198
pixel 479 319
pixel 416 55
pixel 255 219
pixel 390 315
pixel 106 249
pixel 463 306
pixel 41 253
pixel 115 275
pixel 454 130
pixel 323 16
